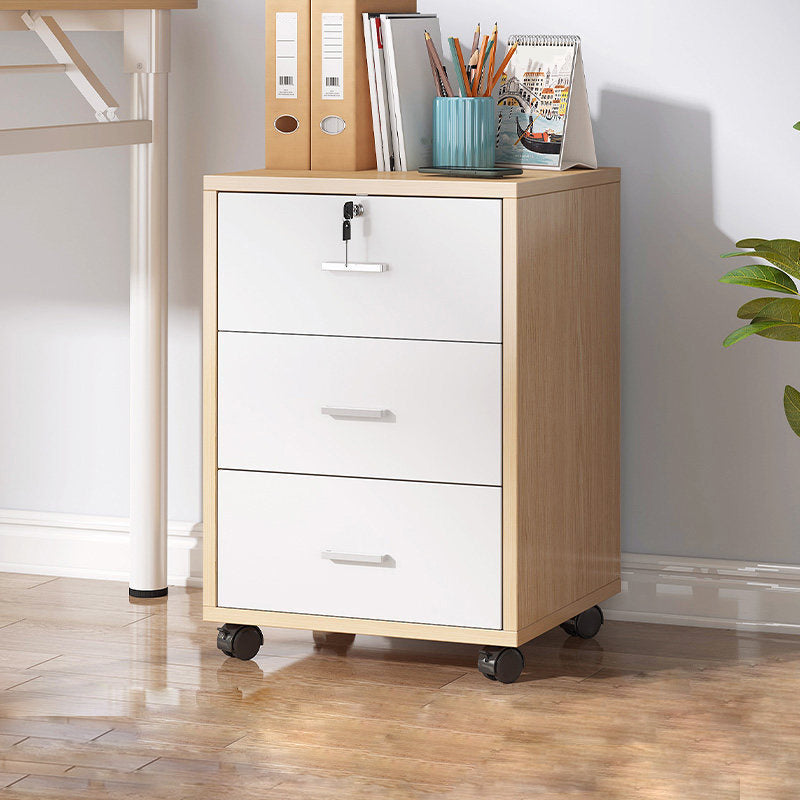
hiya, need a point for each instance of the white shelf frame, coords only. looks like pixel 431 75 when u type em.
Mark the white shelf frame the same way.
pixel 146 57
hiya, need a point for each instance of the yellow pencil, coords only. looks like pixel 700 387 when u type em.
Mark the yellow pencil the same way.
pixel 503 65
pixel 476 81
pixel 462 67
pixel 491 62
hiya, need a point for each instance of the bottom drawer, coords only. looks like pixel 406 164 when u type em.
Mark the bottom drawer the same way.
pixel 367 548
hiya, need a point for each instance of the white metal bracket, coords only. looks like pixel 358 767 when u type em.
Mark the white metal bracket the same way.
pixel 145 42
pixel 77 70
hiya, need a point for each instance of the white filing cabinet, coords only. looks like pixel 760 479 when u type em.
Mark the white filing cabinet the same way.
pixel 415 434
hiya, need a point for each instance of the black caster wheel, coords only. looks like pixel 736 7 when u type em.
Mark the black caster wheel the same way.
pixel 239 641
pixel 502 664
pixel 586 624
pixel 334 641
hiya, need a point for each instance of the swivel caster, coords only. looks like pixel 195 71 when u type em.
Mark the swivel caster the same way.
pixel 502 664
pixel 239 641
pixel 586 624
pixel 333 641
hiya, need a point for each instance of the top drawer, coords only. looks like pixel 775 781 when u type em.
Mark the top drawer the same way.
pixel 442 258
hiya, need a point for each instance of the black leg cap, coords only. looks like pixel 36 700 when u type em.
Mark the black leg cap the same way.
pixel 142 593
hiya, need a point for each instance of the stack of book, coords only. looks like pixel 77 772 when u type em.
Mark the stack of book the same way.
pixel 401 92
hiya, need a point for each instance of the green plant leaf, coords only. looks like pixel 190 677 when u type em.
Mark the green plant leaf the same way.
pixel 785 312
pixel 761 277
pixel 796 126
pixel 780 331
pixel 783 253
pixel 789 248
pixel 791 407
pixel 782 309
pixel 752 307
pixel 780 256
pixel 756 326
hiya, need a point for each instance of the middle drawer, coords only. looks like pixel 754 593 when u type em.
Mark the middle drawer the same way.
pixel 410 410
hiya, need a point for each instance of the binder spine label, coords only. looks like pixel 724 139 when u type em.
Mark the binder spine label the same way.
pixel 333 56
pixel 286 55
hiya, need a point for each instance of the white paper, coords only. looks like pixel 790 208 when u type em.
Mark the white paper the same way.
pixel 286 55
pixel 333 56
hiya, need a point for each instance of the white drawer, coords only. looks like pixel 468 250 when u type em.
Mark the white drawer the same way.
pixel 403 551
pixel 442 258
pixel 383 408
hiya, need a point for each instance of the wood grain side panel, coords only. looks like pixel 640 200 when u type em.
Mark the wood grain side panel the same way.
pixel 569 397
pixel 210 398
pixel 371 627
pixel 510 430
pixel 563 614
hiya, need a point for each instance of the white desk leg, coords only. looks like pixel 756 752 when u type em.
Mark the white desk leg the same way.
pixel 146 51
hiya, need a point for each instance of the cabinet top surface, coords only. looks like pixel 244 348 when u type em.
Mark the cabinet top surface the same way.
pixel 532 182
pixel 93 5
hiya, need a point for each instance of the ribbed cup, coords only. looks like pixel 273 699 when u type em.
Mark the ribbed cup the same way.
pixel 463 132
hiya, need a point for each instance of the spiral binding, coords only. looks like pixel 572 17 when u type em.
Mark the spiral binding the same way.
pixel 543 40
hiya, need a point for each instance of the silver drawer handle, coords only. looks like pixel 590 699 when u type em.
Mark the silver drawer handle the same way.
pixel 341 266
pixel 355 413
pixel 353 558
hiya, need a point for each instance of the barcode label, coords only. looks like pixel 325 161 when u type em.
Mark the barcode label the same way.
pixel 332 56
pixel 285 55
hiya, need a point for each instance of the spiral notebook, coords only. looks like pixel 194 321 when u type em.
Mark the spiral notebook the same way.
pixel 542 106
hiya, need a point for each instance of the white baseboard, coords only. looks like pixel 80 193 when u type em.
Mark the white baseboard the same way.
pixel 702 592
pixel 708 593
pixel 80 546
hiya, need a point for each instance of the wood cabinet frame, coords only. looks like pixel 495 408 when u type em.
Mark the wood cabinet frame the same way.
pixel 561 394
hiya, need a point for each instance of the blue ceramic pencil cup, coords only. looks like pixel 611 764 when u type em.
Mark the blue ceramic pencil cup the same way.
pixel 463 132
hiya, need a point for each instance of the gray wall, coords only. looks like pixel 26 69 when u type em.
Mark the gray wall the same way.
pixel 695 101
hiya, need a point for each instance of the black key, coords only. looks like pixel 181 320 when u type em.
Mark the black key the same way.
pixel 346 230
pixel 348 210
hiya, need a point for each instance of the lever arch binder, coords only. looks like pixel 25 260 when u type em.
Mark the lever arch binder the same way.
pixel 542 106
pixel 341 113
pixel 288 71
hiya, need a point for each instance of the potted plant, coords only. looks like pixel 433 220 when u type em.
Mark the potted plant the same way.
pixel 770 317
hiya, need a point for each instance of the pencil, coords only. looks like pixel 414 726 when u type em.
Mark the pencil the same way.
pixel 484 64
pixel 503 65
pixel 491 62
pixel 459 58
pixel 473 65
pixel 435 74
pixel 448 89
pixel 476 40
pixel 476 80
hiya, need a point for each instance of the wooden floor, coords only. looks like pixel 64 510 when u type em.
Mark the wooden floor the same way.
pixel 102 697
